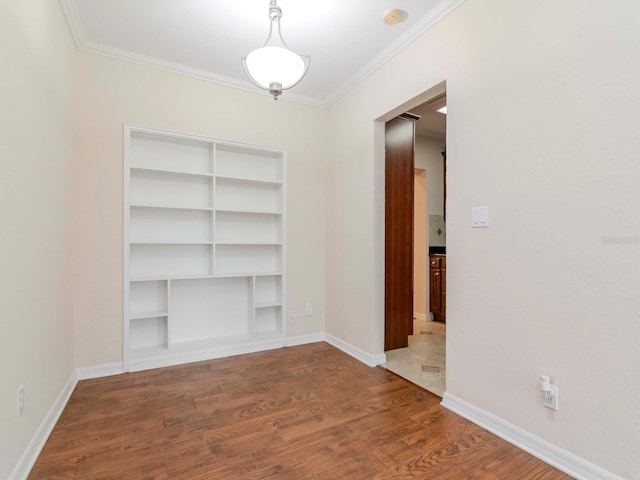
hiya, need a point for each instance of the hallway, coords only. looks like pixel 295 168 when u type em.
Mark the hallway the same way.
pixel 423 361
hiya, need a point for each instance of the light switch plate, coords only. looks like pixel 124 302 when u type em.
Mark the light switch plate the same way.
pixel 480 217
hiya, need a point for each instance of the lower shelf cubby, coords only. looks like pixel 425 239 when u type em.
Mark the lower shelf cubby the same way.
pixel 146 297
pixel 268 320
pixel 268 290
pixel 209 308
pixel 149 333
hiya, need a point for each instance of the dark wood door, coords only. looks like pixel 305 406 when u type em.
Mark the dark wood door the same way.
pixel 399 173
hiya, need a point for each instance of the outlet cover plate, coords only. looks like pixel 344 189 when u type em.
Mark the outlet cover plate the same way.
pixel 20 401
pixel 553 402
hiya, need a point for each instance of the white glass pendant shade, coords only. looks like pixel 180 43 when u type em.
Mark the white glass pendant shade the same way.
pixel 269 65
pixel 274 67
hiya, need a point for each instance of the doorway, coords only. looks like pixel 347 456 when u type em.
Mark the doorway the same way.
pixel 423 359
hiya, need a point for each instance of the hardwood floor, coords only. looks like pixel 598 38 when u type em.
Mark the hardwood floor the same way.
pixel 309 412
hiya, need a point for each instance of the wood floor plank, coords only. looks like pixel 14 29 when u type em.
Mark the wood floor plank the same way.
pixel 300 458
pixel 303 413
pixel 385 458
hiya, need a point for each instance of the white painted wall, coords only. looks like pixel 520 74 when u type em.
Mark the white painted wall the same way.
pixel 36 87
pixel 551 287
pixel 428 156
pixel 111 92
pixel 420 247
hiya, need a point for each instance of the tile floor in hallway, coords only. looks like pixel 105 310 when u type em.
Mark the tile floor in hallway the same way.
pixel 423 361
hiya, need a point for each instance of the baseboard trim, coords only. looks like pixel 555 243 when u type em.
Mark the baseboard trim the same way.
pixel 545 451
pixel 180 358
pixel 30 455
pixel 419 316
pixel 304 339
pixel 355 352
pixel 99 371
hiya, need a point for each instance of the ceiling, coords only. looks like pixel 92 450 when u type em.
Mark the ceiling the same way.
pixel 346 39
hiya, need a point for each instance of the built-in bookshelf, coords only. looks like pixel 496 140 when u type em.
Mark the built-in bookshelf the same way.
pixel 204 248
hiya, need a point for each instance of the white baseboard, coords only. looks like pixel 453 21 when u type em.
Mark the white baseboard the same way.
pixel 419 316
pixel 379 359
pixel 98 371
pixel 545 451
pixel 304 339
pixel 355 352
pixel 30 455
pixel 220 351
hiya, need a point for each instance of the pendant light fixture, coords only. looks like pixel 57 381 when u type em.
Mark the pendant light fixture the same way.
pixel 273 66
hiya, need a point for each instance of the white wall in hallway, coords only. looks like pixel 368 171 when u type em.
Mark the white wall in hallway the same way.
pixel 428 155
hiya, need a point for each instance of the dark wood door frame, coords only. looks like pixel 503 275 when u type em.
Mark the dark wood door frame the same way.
pixel 399 204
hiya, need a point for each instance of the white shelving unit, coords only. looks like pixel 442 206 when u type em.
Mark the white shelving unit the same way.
pixel 204 248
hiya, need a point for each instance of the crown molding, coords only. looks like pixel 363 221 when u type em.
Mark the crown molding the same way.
pixel 420 27
pixel 197 73
pixel 73 20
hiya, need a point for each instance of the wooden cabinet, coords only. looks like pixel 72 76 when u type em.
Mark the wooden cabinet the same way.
pixel 204 245
pixel 438 287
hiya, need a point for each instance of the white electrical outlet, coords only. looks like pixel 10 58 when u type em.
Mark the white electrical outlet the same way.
pixel 294 312
pixel 308 309
pixel 551 401
pixel 20 400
